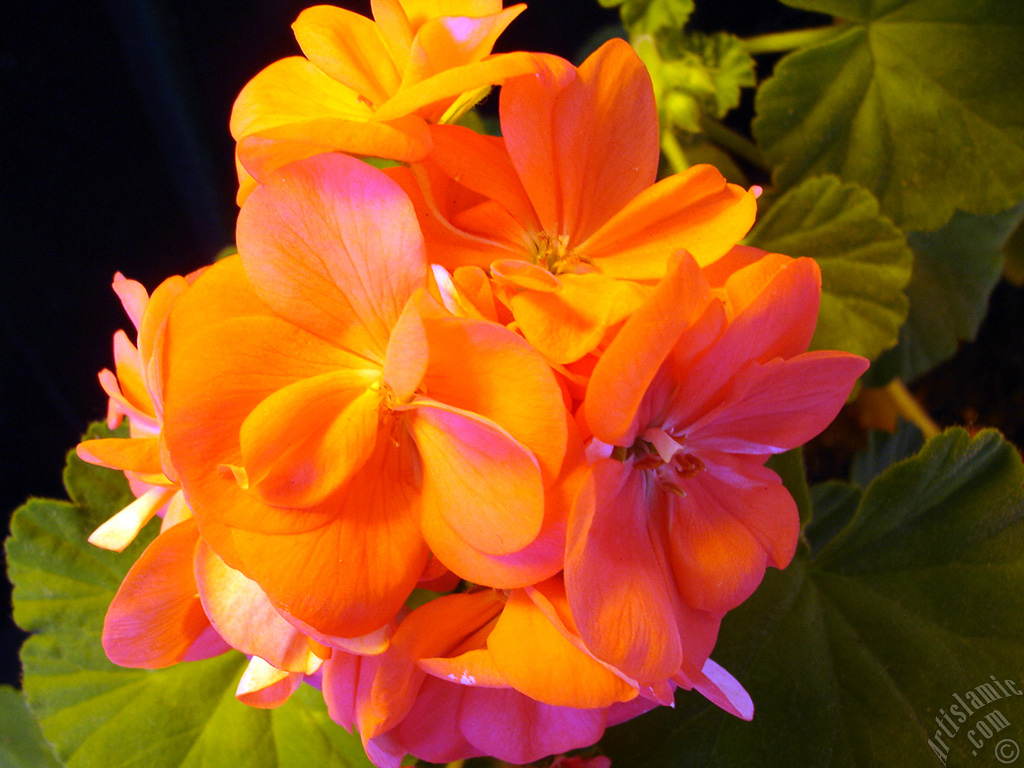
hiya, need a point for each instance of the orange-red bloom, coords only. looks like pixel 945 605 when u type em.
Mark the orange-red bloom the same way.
pixel 679 517
pixel 369 87
pixel 329 420
pixel 564 210
pixel 507 676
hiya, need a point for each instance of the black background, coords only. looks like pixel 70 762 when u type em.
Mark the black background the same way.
pixel 116 156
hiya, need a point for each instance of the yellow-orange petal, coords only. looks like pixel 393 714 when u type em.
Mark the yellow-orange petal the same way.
pixel 133 454
pixel 130 369
pixel 349 48
pixel 305 440
pixel 696 211
pixel 365 555
pixel 584 146
pixel 160 303
pixel 524 275
pixel 539 661
pixel 214 384
pixel 483 482
pixel 482 164
pixel 293 91
pixel 430 97
pixel 121 529
pixel 567 324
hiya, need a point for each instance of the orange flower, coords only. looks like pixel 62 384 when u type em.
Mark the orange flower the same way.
pixel 136 391
pixel 564 211
pixel 328 420
pixel 507 674
pixel 679 518
pixel 369 87
pixel 180 602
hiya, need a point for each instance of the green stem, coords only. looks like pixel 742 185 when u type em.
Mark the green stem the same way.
pixel 911 410
pixel 780 42
pixel 734 142
pixel 673 151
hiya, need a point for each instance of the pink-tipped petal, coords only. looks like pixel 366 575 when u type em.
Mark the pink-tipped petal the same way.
pixel 264 686
pixel 485 484
pixel 312 239
pixel 615 577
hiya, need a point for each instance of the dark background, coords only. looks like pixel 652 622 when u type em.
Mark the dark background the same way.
pixel 116 156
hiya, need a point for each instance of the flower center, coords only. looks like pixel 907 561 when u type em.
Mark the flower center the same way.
pixel 554 254
pixel 665 456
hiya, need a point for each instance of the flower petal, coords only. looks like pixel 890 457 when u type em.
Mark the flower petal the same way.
pixel 483 368
pixel 625 371
pixel 264 686
pixel 695 211
pixel 567 324
pixel 569 136
pixel 133 454
pixel 430 98
pixel 483 483
pixel 305 440
pixel 349 48
pixel 773 407
pixel 156 617
pixel 244 617
pixel 432 630
pixel 507 725
pixel 405 361
pixel 214 384
pixel 616 578
pixel 365 556
pixel 539 661
pixel 315 240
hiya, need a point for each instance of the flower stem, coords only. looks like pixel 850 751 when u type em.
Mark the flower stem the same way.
pixel 734 142
pixel 911 410
pixel 673 151
pixel 779 42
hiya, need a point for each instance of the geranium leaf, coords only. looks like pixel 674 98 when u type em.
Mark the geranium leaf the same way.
pixel 884 449
pixel 855 654
pixel 21 742
pixel 955 270
pixel 916 100
pixel 95 713
pixel 865 261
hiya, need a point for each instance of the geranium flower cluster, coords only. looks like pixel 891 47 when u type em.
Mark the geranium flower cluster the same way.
pixel 474 444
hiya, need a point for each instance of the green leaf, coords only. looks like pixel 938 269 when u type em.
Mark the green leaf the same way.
pixel 21 742
pixel 95 713
pixel 916 100
pixel 641 17
pixel 955 270
pixel 851 654
pixel 885 449
pixel 864 259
